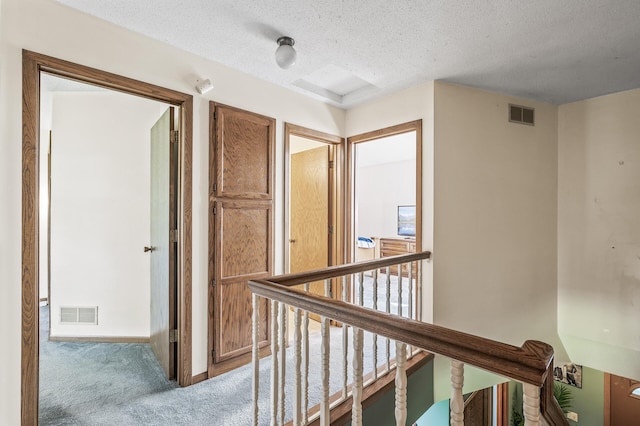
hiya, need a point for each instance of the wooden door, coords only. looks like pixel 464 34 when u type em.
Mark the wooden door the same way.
pixel 477 408
pixel 241 231
pixel 623 406
pixel 309 243
pixel 163 246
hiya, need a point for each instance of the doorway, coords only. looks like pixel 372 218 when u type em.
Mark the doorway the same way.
pixel 313 199
pixel 385 199
pixel 33 66
pixel 314 217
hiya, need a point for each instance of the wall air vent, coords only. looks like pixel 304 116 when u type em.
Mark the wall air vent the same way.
pixel 521 114
pixel 79 315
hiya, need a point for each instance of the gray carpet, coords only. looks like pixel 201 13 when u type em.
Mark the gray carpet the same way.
pixel 123 384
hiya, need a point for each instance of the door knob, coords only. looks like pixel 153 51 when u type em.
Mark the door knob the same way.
pixel 146 249
pixel 292 241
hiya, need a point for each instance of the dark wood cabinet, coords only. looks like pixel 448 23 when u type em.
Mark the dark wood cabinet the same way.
pixel 397 246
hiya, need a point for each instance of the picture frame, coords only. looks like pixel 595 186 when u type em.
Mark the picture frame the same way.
pixel 569 374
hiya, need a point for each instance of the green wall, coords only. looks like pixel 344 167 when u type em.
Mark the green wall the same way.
pixel 588 402
pixel 419 399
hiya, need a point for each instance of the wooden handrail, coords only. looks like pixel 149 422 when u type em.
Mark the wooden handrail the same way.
pixel 530 363
pixel 289 280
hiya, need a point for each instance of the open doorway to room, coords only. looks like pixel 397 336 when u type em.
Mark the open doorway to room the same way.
pixel 386 210
pixel 314 201
pixel 88 247
pixel 105 301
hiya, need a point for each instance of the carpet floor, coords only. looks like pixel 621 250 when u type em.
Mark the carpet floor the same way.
pixel 123 384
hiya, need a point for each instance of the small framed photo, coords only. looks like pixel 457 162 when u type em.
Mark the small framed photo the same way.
pixel 570 374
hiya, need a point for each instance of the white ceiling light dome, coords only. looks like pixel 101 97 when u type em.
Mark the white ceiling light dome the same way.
pixel 285 53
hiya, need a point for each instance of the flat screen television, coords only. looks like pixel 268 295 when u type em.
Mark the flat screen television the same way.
pixel 407 221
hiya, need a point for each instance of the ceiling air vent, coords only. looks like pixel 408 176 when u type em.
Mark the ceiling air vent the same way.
pixel 78 315
pixel 521 114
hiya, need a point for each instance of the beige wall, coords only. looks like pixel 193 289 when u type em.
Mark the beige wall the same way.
pixel 406 105
pixel 495 220
pixel 48 27
pixel 599 232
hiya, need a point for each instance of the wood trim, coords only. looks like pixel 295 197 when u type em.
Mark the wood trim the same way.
pixel 30 238
pixel 607 399
pixel 292 129
pixel 32 64
pixel 101 339
pixel 372 392
pixel 385 132
pixel 199 378
pixel 502 397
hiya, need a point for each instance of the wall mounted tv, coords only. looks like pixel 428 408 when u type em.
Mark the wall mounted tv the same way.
pixel 407 221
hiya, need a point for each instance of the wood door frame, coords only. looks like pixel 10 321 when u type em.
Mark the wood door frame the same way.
pixel 411 126
pixel 336 196
pixel 32 65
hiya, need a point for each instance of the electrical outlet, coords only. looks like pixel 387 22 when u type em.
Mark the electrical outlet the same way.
pixel 572 416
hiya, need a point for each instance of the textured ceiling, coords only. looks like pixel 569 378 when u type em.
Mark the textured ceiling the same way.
pixel 551 50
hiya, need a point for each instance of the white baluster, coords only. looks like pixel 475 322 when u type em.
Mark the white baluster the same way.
pixel 305 360
pixel 401 384
pixel 325 353
pixel 255 355
pixel 345 343
pixel 410 313
pixel 274 362
pixel 356 409
pixel 297 339
pixel 400 290
pixel 361 289
pixel 388 310
pixel 284 309
pixel 531 404
pixel 375 336
pixel 456 404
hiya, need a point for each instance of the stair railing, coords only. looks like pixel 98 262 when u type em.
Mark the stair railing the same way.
pixel 531 364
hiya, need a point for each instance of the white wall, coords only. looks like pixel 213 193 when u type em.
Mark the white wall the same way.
pixel 48 27
pixel 599 232
pixel 100 210
pixel 380 189
pixel 495 220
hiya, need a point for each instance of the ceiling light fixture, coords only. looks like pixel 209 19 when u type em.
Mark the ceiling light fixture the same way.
pixel 285 54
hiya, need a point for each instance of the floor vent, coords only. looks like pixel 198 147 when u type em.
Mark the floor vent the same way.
pixel 520 114
pixel 78 315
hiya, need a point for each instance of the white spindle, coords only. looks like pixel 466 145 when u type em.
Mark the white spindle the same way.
pixel 356 408
pixel 325 409
pixel 284 309
pixel 456 404
pixel 531 404
pixel 361 288
pixel 255 355
pixel 401 384
pixel 388 310
pixel 345 344
pixel 375 336
pixel 400 290
pixel 305 360
pixel 297 339
pixel 274 362
pixel 410 315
